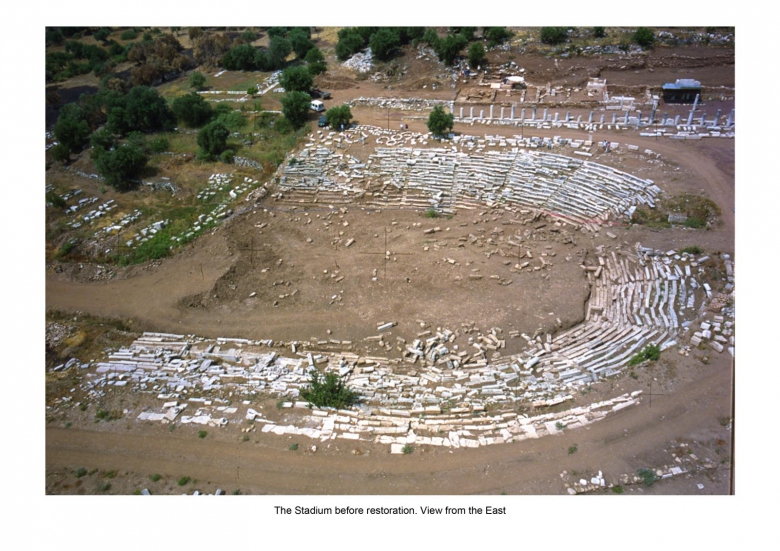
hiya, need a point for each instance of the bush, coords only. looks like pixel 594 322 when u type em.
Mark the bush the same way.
pixel 197 81
pixel 432 213
pixel 651 353
pixel 384 44
pixel 599 32
pixel 158 145
pixel 81 471
pixel 496 35
pixel 212 139
pixel 554 35
pixel 183 481
pixel 644 37
pixel 407 449
pixel 296 79
pixel 155 477
pixel 121 166
pixel 60 153
pixel 227 156
pixel 617 489
pixel 692 250
pixel 129 34
pixel 328 391
pixel 202 434
pixel 648 476
pixel 573 449
pixel 294 447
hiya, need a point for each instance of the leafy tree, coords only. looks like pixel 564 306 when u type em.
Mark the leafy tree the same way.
pixel 142 109
pixel 439 122
pixel 278 50
pixel 227 156
pixel 448 48
pixel 300 42
pixel 60 153
pixel 277 32
pixel 339 116
pixel 240 58
pixel 121 166
pixel 496 35
pixel 197 80
pixel 192 110
pixel 296 79
pixel 316 62
pixel 430 37
pixel 384 43
pixel 251 91
pixel 328 391
pixel 212 138
pixel 554 35
pixel 644 37
pixel 249 35
pixel 71 130
pixel 295 107
pixel 476 54
pixel 350 42
pixel 599 32
pixel 466 32
pixel 102 139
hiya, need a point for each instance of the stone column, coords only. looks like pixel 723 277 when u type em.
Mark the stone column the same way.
pixel 502 114
pixel 568 116
pixel 690 118
pixel 730 120
pixel 545 114
pixel 556 117
pixel 491 111
pixel 534 113
pixel 695 102
pixel 677 120
pixel 481 113
pixel 717 117
pixel 461 112
pixel 614 118
pixel 471 113
pixel 627 116
pixel 602 119
pixel 522 114
pixel 590 118
pixel 512 113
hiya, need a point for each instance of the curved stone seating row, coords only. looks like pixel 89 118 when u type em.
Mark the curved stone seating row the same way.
pixel 577 190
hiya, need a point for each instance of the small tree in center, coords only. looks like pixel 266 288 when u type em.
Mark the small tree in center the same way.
pixel 439 122
pixel 328 391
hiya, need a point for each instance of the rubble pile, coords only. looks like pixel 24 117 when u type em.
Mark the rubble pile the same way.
pixel 362 62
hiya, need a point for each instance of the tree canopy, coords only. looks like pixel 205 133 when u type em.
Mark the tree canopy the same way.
pixel 644 37
pixel 192 110
pixel 212 139
pixel 142 109
pixel 295 107
pixel 197 81
pixel 476 54
pixel 554 35
pixel 338 116
pixel 119 167
pixel 384 44
pixel 439 122
pixel 71 130
pixel 296 79
pixel 328 391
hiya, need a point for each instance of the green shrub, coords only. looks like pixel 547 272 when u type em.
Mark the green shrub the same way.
pixel 692 250
pixel 129 34
pixel 202 434
pixel 155 477
pixel 573 449
pixel 617 489
pixel 183 481
pixel 554 35
pixel 407 449
pixel 104 487
pixel 644 37
pixel 328 391
pixel 81 471
pixel 432 213
pixel 158 145
pixel 294 447
pixel 648 476
pixel 651 353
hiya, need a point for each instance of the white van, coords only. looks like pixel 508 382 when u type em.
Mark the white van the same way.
pixel 317 106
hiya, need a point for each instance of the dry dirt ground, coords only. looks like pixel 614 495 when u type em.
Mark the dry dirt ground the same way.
pixel 205 290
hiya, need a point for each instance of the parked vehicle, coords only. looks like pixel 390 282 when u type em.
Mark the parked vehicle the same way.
pixel 317 106
pixel 317 93
pixel 323 122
